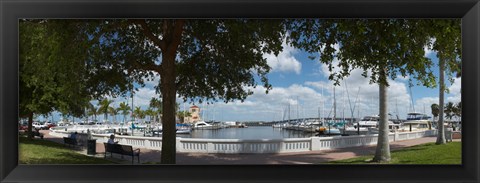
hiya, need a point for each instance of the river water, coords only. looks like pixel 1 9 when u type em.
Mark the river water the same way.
pixel 253 132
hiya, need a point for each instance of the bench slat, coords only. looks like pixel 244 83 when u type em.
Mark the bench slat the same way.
pixel 121 149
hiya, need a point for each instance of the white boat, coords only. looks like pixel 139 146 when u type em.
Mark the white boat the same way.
pixel 329 131
pixel 203 126
pixel 364 124
pixel 392 127
pixel 183 129
pixel 417 121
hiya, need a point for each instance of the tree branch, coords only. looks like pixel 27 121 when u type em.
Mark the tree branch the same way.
pixel 176 37
pixel 147 67
pixel 146 30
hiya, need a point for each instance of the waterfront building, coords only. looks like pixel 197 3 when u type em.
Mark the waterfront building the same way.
pixel 195 115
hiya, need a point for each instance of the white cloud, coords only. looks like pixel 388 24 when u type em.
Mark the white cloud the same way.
pixel 368 95
pixel 285 61
pixel 456 86
pixel 423 105
pixel 455 91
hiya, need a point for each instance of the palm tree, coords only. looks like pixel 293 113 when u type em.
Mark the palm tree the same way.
pixel 149 112
pixel 141 115
pixel 104 105
pixel 435 111
pixel 449 110
pixel 114 113
pixel 156 106
pixel 137 112
pixel 125 110
pixel 458 111
pixel 182 114
pixel 92 111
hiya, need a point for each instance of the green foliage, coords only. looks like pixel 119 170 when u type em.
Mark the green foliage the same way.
pixel 150 113
pixel 458 109
pixel 51 68
pixel 447 44
pixel 125 110
pixel 92 111
pixel 450 110
pixel 104 107
pixel 138 113
pixel 210 67
pixel 183 114
pixel 373 45
pixel 435 110
pixel 382 48
pixel 112 111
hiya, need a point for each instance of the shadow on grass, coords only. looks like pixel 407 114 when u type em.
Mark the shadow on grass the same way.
pixel 429 153
pixel 38 151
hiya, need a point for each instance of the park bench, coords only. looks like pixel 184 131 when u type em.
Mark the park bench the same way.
pixel 122 150
pixel 70 142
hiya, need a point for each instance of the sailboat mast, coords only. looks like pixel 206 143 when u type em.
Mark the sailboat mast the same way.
pixel 411 98
pixel 131 94
pixel 298 103
pixel 289 111
pixel 396 105
pixel 334 105
pixel 323 105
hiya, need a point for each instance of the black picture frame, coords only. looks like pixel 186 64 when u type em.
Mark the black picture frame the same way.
pixel 11 11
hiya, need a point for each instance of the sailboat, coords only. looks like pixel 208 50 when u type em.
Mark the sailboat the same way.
pixel 330 129
pixel 415 120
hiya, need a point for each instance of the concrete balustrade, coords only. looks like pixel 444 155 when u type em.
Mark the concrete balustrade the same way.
pixel 233 146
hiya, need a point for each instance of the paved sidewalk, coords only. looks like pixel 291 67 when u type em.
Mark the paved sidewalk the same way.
pixel 311 157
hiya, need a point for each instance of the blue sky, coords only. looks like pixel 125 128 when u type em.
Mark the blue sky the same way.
pixel 303 84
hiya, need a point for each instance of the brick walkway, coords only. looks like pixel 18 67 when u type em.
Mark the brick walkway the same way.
pixel 311 157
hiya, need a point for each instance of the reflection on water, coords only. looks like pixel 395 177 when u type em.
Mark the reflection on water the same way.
pixel 254 132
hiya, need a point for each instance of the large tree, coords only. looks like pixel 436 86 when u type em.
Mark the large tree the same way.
pixel 62 68
pixel 215 59
pixel 446 41
pixel 382 48
pixel 52 69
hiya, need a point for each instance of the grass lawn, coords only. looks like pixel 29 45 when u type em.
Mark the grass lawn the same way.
pixel 39 151
pixel 450 153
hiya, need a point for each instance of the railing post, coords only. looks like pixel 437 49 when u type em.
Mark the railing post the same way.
pixel 147 144
pixel 210 147
pixel 283 147
pixel 178 144
pixel 314 143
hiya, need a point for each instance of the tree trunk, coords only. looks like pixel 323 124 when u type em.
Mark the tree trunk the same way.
pixel 382 153
pixel 440 127
pixel 30 126
pixel 169 91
